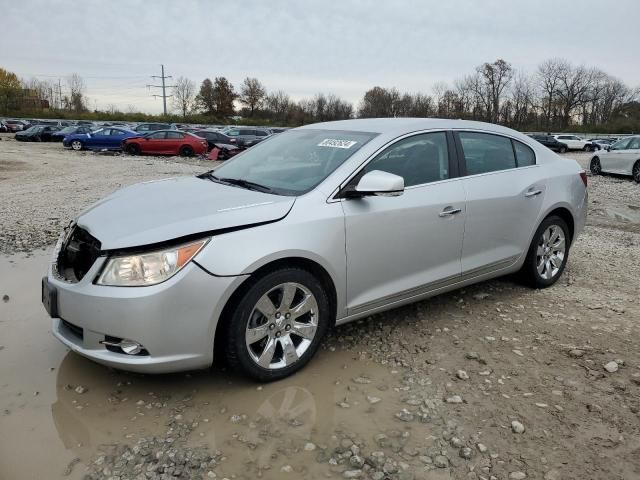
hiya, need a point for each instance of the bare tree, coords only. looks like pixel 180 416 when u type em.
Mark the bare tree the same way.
pixel 76 87
pixel 184 94
pixel 252 93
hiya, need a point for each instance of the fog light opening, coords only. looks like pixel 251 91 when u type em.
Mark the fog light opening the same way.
pixel 130 347
pixel 123 345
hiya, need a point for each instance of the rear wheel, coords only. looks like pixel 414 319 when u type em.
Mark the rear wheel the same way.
pixel 548 253
pixel 133 149
pixel 186 151
pixel 635 172
pixel 595 167
pixel 76 145
pixel 586 148
pixel 277 325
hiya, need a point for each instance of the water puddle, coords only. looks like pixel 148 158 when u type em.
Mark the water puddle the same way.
pixel 60 412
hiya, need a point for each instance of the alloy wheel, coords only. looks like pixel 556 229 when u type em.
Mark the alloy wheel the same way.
pixel 636 172
pixel 282 326
pixel 76 145
pixel 551 252
pixel 595 167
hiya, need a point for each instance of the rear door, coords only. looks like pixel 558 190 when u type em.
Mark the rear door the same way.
pixel 504 190
pixel 400 247
pixel 172 143
pixel 100 138
pixel 615 160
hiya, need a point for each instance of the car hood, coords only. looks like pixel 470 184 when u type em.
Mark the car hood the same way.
pixel 161 210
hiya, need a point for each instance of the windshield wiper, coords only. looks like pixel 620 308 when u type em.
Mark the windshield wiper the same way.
pixel 244 184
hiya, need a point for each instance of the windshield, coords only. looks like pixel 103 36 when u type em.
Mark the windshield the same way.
pixel 294 162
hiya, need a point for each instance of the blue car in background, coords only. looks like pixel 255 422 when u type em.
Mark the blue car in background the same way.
pixel 107 138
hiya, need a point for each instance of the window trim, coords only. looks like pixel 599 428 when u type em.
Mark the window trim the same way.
pixel 462 166
pixel 454 173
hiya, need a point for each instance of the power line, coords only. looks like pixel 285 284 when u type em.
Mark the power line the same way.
pixel 163 87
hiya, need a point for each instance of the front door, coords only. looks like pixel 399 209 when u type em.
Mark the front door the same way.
pixel 400 247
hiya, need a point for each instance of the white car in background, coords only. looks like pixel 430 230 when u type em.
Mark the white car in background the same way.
pixel 574 142
pixel 623 158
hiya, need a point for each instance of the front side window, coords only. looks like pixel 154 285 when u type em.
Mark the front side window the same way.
pixel 484 152
pixel 174 135
pixel 156 136
pixel 419 159
pixel 116 132
pixel 634 144
pixel 621 144
pixel 294 162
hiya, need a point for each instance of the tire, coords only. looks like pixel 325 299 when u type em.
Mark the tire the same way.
pixel 595 167
pixel 563 150
pixel 133 149
pixel 635 172
pixel 537 272
pixel 254 342
pixel 77 145
pixel 186 151
pixel 586 148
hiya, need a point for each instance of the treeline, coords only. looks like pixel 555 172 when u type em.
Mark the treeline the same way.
pixel 557 96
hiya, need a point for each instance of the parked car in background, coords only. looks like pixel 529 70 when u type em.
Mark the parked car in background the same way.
pixel 59 135
pixel 107 138
pixel 85 122
pixel 37 133
pixel 152 127
pixel 551 143
pixel 574 142
pixel 3 127
pixel 319 226
pixel 277 130
pixel 15 125
pixel 600 143
pixel 622 158
pixel 246 137
pixel 212 137
pixel 166 142
pixel 223 151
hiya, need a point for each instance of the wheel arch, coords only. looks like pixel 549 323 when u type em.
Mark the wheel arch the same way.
pixel 303 263
pixel 565 214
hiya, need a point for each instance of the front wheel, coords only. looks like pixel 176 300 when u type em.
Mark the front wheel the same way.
pixel 563 150
pixel 76 145
pixel 595 167
pixel 548 253
pixel 277 325
pixel 133 149
pixel 635 172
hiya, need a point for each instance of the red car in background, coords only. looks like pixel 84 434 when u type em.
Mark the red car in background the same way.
pixel 166 142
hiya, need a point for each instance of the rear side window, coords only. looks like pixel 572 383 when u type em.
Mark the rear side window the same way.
pixel 485 152
pixel 261 133
pixel 524 155
pixel 418 159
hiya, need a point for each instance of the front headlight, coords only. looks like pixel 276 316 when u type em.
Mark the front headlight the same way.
pixel 148 268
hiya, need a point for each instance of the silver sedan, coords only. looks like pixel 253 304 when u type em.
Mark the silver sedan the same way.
pixel 622 158
pixel 314 227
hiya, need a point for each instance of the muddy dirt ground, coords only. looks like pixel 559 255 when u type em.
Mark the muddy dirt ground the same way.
pixel 496 381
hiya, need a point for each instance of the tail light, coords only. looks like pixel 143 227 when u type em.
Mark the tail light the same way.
pixel 583 176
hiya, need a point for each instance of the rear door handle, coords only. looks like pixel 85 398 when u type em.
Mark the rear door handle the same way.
pixel 447 212
pixel 532 193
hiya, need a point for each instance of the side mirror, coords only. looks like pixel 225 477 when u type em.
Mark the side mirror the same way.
pixel 377 183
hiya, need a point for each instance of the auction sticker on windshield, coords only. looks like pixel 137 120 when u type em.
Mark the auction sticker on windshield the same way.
pixel 333 143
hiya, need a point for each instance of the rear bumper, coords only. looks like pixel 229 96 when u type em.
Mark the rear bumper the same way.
pixel 174 321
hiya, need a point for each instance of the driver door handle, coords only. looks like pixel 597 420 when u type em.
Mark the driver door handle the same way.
pixel 447 212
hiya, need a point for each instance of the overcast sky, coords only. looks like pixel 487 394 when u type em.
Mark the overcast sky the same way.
pixel 305 47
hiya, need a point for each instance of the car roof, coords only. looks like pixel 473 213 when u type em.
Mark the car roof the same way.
pixel 399 126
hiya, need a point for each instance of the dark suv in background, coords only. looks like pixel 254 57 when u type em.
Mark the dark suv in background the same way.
pixel 551 142
pixel 246 137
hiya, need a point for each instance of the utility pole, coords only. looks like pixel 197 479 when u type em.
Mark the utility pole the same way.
pixel 163 87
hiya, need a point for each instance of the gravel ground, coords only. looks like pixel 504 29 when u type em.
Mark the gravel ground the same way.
pixel 495 381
